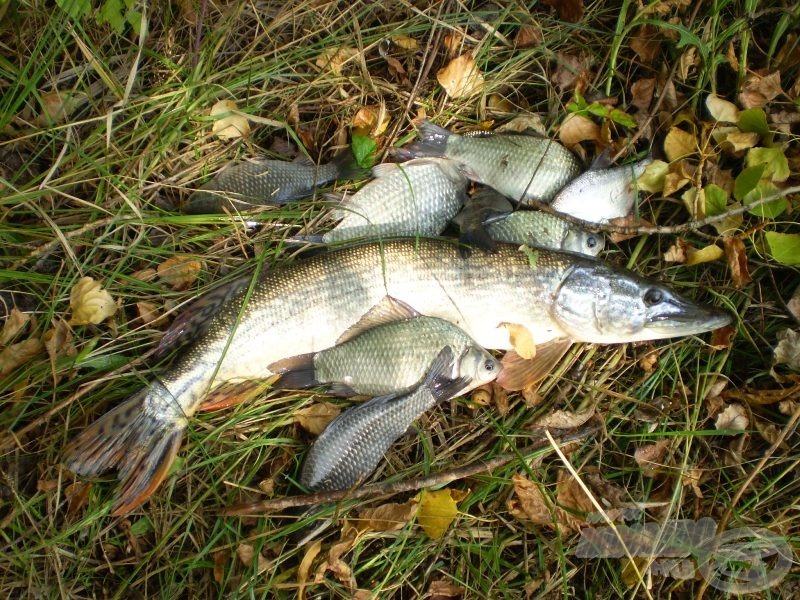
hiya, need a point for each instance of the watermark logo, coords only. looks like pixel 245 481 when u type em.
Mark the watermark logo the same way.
pixel 738 561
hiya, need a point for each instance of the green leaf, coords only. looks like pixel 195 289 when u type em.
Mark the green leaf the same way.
pixel 141 527
pixel 784 247
pixel 113 13
pixel 75 8
pixel 747 181
pixel 776 167
pixel 754 120
pixel 532 255
pixel 621 117
pixel 364 149
pixel 716 200
pixel 770 210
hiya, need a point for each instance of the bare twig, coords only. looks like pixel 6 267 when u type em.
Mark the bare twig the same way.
pixel 400 487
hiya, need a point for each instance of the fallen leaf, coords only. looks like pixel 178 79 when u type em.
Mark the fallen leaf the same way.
pixel 461 77
pixel 58 106
pixel 722 110
pixel 646 42
pixel 387 517
pixel 564 419
pixel 730 56
pixel 769 431
pixel 315 418
pixel 334 59
pixel 573 498
pixel 734 141
pixel 722 337
pixel 525 123
pixel 679 144
pixel 649 361
pixel 677 252
pixel 573 72
pixel 693 477
pixel 180 271
pixel 312 550
pixel 405 42
pixel 680 173
pixel 689 61
pixel 229 124
pixel 220 559
pixel 794 303
pixel 652 180
pixel 90 304
pixel 247 554
pixel 737 261
pixel 15 323
pixel 149 314
pixel 530 504
pixel 634 572
pixel 520 339
pixel 145 275
pixel 77 495
pixel 784 247
pixel 733 417
pixel 578 128
pixel 758 90
pixel 694 200
pixel 776 167
pixel 370 121
pixel 568 10
pixel 443 588
pixel 497 104
pixel 454 43
pixel 340 569
pixel 703 255
pixel 437 510
pixel 642 91
pixel 18 354
pixel 650 458
pixel 787 352
pixel 528 36
pixel 58 342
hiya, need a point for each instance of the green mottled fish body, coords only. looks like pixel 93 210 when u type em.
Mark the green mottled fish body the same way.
pixel 543 230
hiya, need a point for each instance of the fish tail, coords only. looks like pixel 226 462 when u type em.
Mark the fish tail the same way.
pixel 204 201
pixel 134 439
pixel 297 372
pixel 432 142
pixel 347 166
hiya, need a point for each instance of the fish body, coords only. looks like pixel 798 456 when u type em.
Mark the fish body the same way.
pixel 521 167
pixel 599 195
pixel 488 217
pixel 353 444
pixel 418 197
pixel 263 182
pixel 389 357
pixel 306 305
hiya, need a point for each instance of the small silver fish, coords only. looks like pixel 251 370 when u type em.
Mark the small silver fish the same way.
pixel 389 351
pixel 600 195
pixel 253 183
pixel 521 167
pixel 418 197
pixel 353 444
pixel 488 218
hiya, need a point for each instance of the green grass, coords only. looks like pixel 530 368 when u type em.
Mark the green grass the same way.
pixel 96 196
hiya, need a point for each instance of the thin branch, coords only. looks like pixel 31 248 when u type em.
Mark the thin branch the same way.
pixel 400 487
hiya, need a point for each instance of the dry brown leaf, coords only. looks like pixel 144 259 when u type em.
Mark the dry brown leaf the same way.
pixel 312 550
pixel 58 342
pixel 77 495
pixel 145 274
pixel 387 517
pixel 315 418
pixel 733 417
pixel 570 496
pixel 758 90
pixel 363 595
pixel 769 431
pixel 678 252
pixel 525 123
pixel 220 559
pixel 15 323
pixel 786 352
pixel 568 10
pixel 674 181
pixel 794 303
pixel 405 42
pixel 149 314
pixel 646 42
pixel 335 564
pixel 722 337
pixel 650 458
pixel 247 554
pixel 679 144
pixel 497 104
pixel 454 43
pixel 649 360
pixel 578 128
pixel 443 588
pixel 90 304
pixel 18 354
pixel 573 72
pixel 461 77
pixel 530 504
pixel 180 271
pixel 688 63
pixel 703 255
pixel 737 261
pixel 642 92
pixel 230 124
pixel 58 106
pixel 565 419
pixel 437 510
pixel 528 36
pixel 334 59
pixel 693 477
pixel 371 121
pixel 722 110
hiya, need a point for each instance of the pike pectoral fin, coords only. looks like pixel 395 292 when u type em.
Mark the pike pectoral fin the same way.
pixel 519 373
pixel 233 393
pixel 141 445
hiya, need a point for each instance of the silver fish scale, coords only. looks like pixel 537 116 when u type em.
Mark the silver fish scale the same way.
pixel 390 357
pixel 353 444
pixel 521 167
pixel 415 198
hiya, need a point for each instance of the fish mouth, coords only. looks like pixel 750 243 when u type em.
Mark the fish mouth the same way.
pixel 676 316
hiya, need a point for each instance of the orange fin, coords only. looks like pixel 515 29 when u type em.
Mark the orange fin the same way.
pixel 232 393
pixel 519 373
pixel 134 438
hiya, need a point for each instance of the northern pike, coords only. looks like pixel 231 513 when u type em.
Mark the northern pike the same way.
pixel 520 166
pixel 488 217
pixel 353 444
pixel 260 182
pixel 305 306
pixel 388 356
pixel 599 195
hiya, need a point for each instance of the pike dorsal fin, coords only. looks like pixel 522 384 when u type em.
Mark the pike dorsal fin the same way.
pixel 519 373
pixel 388 310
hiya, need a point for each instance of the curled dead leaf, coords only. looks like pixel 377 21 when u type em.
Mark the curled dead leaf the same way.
pixel 722 110
pixel 312 550
pixel 247 554
pixel 794 303
pixel 334 59
pixel 371 121
pixel 179 271
pixel 387 517
pixel 573 500
pixel 578 128
pixel 706 254
pixel 461 77
pixel 90 304
pixel 650 458
pixel 787 351
pixel 19 354
pixel 565 419
pixel 737 261
pixel 229 124
pixel 58 106
pixel 15 323
pixel 646 42
pixel 315 418
pixel 677 252
pixel 530 504
pixel 758 90
pixel 733 417
pixel 405 42
pixel 568 10
pixel 642 91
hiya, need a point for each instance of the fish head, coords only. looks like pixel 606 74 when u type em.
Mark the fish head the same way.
pixel 583 242
pixel 477 364
pixel 598 303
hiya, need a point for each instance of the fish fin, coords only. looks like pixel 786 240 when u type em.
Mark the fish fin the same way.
pixel 521 339
pixel 519 373
pixel 432 142
pixel 297 372
pixel 477 237
pixel 132 439
pixel 384 169
pixel 334 197
pixel 299 240
pixel 388 310
pixel 232 393
pixel 302 159
pixel 602 160
pixel 196 318
pixel 347 166
pixel 341 389
pixel 440 380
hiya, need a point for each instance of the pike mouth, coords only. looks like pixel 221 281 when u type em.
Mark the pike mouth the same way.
pixel 676 316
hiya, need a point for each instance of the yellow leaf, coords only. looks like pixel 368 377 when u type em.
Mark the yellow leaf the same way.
pixel 305 567
pixel 230 124
pixel 461 77
pixel 15 322
pixel 371 121
pixel 19 354
pixel 405 42
pixel 521 339
pixel 437 510
pixel 578 128
pixel 707 254
pixel 652 180
pixel 679 143
pixel 333 59
pixel 721 109
pixel 90 303
pixel 316 417
pixel 180 271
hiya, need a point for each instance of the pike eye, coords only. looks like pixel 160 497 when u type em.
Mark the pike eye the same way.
pixel 653 296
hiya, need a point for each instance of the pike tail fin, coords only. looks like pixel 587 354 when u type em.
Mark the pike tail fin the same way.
pixel 141 445
pixel 432 142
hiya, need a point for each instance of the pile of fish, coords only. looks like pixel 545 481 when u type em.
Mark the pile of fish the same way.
pixel 399 316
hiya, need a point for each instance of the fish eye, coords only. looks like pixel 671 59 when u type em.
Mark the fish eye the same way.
pixel 653 296
pixel 591 241
pixel 488 365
